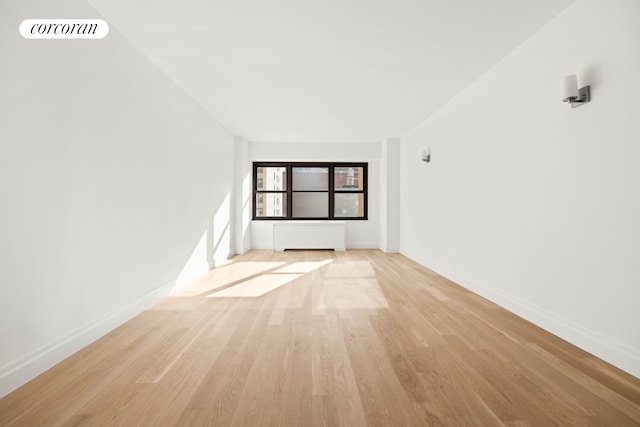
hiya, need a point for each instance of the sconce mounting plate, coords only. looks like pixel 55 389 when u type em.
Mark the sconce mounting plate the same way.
pixel 584 96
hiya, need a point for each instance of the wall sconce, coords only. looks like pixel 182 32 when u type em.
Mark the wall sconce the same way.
pixel 571 94
pixel 426 155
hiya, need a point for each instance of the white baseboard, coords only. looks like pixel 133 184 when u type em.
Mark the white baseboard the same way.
pixel 260 247
pixel 30 366
pixel 362 246
pixel 611 351
pixel 349 246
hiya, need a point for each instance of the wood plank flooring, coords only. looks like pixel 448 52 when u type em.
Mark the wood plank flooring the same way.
pixel 320 338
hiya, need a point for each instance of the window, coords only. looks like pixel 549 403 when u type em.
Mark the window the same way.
pixel 270 192
pixel 309 191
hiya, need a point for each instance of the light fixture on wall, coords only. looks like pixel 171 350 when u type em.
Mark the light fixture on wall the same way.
pixel 426 155
pixel 571 94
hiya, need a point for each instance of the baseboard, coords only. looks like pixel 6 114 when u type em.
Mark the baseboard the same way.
pixel 259 247
pixel 349 246
pixel 362 246
pixel 25 369
pixel 356 246
pixel 611 351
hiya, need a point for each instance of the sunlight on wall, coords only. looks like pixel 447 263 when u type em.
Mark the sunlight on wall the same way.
pixel 196 264
pixel 213 248
pixel 221 232
pixel 246 208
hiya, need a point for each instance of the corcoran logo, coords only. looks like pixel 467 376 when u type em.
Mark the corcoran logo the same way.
pixel 64 29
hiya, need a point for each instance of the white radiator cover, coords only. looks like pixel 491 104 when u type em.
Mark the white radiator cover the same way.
pixel 309 235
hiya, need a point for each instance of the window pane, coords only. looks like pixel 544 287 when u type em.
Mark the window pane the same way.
pixel 271 178
pixel 271 204
pixel 348 205
pixel 348 178
pixel 310 179
pixel 310 205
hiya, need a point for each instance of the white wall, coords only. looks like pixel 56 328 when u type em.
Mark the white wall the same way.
pixel 360 234
pixel 109 178
pixel 390 196
pixel 242 196
pixel 531 203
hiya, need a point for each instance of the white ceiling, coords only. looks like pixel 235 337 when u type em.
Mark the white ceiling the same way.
pixel 325 70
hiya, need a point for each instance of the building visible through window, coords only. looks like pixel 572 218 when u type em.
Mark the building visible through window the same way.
pixel 310 190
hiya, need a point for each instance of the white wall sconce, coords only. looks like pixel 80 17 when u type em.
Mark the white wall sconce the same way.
pixel 426 155
pixel 571 94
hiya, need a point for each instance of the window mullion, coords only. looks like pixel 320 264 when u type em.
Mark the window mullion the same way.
pixel 289 191
pixel 331 191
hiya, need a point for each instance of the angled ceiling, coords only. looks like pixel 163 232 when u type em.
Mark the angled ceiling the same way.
pixel 325 70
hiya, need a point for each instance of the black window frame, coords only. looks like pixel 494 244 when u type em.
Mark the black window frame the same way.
pixel 288 191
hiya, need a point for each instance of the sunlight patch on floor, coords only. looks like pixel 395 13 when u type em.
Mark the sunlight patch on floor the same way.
pixel 265 283
pixel 349 294
pixel 303 267
pixel 351 269
pixel 345 286
pixel 225 275
pixel 257 286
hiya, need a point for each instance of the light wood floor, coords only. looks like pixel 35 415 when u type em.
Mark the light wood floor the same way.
pixel 310 338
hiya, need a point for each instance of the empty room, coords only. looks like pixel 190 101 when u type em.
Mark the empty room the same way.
pixel 320 213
